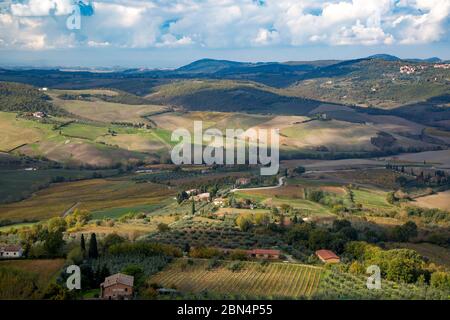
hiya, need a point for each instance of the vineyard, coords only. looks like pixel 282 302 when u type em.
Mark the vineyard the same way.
pixel 344 286
pixel 272 280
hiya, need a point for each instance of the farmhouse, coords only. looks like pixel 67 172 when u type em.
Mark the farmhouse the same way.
pixel 39 114
pixel 220 202
pixel 11 251
pixel 327 256
pixel 243 181
pixel 264 254
pixel 407 69
pixel 117 287
pixel 203 197
pixel 191 192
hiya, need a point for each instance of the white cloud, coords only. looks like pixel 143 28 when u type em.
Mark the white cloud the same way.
pixel 40 24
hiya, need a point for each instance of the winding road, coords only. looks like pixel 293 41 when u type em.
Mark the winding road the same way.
pixel 281 182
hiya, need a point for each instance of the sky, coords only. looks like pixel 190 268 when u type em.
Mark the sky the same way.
pixel 170 33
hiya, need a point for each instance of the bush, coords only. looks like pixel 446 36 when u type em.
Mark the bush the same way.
pixel 235 266
pixel 75 256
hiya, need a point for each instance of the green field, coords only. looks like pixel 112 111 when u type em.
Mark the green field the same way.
pixel 275 280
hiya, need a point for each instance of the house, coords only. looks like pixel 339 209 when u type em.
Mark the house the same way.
pixel 264 254
pixel 39 114
pixel 243 181
pixel 219 202
pixel 11 251
pixel 407 69
pixel 203 197
pixel 192 192
pixel 327 256
pixel 117 287
pixel 442 66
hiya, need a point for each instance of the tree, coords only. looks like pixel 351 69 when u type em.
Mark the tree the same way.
pixel 187 247
pixel 440 280
pixel 110 240
pixel 163 227
pixel 93 250
pixel 193 207
pixel 56 224
pixel 182 196
pixel 83 244
pixel 76 255
pixel 299 170
pixel 405 232
pixel 391 198
pixel 53 243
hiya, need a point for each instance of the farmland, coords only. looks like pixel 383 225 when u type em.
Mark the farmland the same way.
pixel 101 111
pixel 345 286
pixel 95 195
pixel 16 185
pixel 364 180
pixel 275 280
pixel 46 270
pixel 440 200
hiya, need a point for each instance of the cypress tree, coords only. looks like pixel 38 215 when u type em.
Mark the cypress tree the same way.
pixel 193 207
pixel 83 244
pixel 93 251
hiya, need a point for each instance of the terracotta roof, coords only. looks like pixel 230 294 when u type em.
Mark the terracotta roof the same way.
pixel 118 278
pixel 326 254
pixel 10 248
pixel 264 251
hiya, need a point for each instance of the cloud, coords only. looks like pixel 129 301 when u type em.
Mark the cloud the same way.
pixel 40 24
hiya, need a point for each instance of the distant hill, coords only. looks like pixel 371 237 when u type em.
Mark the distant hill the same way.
pixel 210 66
pixel 386 57
pixel 371 81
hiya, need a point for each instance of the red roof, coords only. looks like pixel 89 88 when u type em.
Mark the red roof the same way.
pixel 326 254
pixel 11 248
pixel 264 251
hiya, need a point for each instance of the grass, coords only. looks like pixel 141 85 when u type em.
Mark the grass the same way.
pixel 107 112
pixel 253 280
pixel 16 132
pixel 84 131
pixel 115 213
pixel 371 198
pixel 93 195
pixel 306 206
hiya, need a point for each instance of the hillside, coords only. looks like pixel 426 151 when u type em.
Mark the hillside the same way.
pixel 373 81
pixel 23 98
pixel 230 96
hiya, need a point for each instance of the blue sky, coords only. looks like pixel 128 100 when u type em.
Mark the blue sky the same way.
pixel 158 33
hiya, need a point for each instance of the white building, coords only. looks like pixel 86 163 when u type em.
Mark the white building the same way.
pixel 11 251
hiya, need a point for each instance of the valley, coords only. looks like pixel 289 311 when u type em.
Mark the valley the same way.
pixel 364 173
